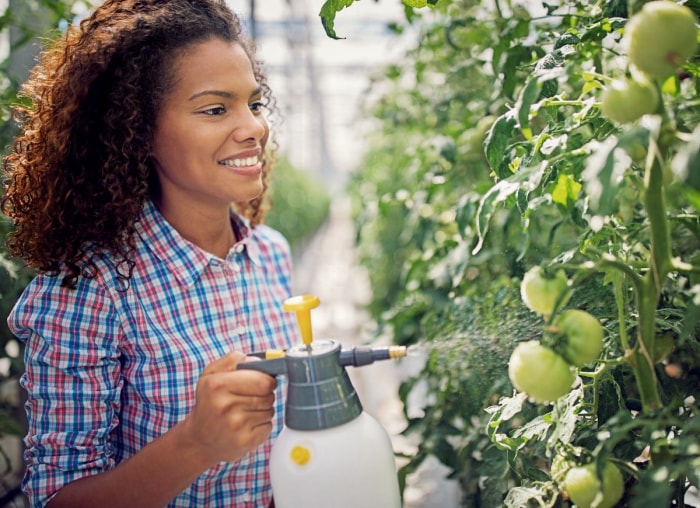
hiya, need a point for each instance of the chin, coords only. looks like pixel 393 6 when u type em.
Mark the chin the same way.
pixel 242 203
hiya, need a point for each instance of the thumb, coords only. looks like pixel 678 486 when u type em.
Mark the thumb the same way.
pixel 226 363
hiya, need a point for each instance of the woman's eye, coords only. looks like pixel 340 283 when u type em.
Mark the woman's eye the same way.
pixel 257 106
pixel 217 110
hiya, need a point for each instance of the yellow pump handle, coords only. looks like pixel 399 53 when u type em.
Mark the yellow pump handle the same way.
pixel 302 305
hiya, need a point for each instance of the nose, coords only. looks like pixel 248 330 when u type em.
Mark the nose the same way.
pixel 250 127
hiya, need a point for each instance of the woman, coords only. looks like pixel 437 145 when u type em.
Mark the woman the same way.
pixel 136 188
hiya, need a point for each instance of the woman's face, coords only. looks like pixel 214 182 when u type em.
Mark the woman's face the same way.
pixel 210 132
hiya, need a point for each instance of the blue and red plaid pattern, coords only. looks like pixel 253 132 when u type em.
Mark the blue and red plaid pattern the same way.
pixel 111 366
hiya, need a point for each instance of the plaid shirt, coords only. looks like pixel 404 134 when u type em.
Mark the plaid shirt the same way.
pixel 111 366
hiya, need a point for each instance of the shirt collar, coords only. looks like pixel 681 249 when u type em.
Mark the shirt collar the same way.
pixel 184 259
pixel 246 237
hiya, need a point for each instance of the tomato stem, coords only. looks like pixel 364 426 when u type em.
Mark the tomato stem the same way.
pixel 621 299
pixel 660 264
pixel 594 374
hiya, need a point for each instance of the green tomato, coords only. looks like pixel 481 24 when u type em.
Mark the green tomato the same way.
pixel 661 37
pixel 583 336
pixel 539 372
pixel 583 485
pixel 625 101
pixel 541 292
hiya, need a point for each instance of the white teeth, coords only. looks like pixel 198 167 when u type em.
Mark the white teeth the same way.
pixel 239 163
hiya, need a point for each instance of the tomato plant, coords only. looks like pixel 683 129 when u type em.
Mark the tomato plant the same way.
pixel 448 235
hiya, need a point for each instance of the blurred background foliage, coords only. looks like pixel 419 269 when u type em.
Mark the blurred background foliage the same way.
pixel 300 204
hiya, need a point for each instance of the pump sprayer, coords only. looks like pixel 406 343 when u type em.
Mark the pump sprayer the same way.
pixel 330 452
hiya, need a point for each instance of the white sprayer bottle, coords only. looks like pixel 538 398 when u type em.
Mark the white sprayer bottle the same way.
pixel 330 452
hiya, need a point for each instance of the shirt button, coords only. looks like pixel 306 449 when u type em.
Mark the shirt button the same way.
pixel 246 497
pixel 236 268
pixel 240 248
pixel 240 330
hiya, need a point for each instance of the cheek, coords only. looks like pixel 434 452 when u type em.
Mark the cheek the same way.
pixel 266 127
pixel 163 143
pixel 173 144
pixel 167 156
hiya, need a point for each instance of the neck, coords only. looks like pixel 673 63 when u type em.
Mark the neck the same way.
pixel 210 230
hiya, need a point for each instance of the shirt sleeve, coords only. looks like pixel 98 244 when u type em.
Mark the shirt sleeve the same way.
pixel 73 382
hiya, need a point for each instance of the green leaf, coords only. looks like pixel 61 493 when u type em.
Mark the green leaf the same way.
pixel 526 179
pixel 416 4
pixel 686 163
pixel 649 492
pixel 566 190
pixel 527 97
pixel 566 39
pixel 599 31
pixel 507 408
pixel 608 161
pixel 536 429
pixel 605 166
pixel 611 399
pixel 515 58
pixel 522 496
pixel 328 11
pixel 497 139
pixel 9 425
pixel 565 415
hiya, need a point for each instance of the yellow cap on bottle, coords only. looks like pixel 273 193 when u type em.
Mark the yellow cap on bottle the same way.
pixel 300 455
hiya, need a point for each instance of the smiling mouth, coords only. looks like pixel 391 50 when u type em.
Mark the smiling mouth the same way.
pixel 240 163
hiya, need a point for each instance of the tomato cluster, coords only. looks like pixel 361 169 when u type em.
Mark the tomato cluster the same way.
pixel 573 338
pixel 659 39
pixel 545 371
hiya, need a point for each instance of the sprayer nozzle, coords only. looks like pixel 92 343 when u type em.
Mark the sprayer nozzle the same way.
pixel 363 355
pixel 396 352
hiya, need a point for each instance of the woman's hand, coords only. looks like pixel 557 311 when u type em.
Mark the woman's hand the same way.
pixel 232 415
pixel 233 410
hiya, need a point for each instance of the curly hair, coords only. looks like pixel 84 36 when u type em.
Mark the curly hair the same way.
pixel 81 167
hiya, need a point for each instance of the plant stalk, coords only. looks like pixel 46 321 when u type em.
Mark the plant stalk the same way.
pixel 648 295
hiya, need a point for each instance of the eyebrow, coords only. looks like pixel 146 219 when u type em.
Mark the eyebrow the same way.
pixel 224 94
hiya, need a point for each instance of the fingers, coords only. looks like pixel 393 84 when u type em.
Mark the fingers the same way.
pixel 259 434
pixel 258 421
pixel 226 363
pixel 234 409
pixel 244 410
pixel 249 423
pixel 262 403
pixel 245 383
